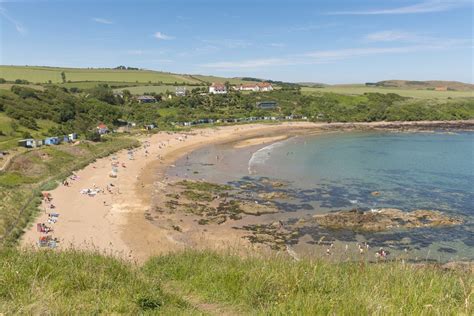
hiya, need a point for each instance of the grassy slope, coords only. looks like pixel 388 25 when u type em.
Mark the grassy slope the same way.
pixel 43 74
pixel 361 89
pixel 9 138
pixel 193 282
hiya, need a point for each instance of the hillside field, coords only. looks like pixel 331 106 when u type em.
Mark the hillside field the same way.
pixel 361 89
pixel 37 74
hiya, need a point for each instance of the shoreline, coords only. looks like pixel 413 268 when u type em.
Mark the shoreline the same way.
pixel 115 222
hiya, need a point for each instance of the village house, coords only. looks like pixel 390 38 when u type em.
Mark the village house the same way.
pixel 264 86
pixel 256 87
pixel 146 99
pixel 217 88
pixel 102 129
pixel 248 87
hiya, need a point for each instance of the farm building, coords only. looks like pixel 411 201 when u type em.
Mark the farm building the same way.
pixel 217 88
pixel 28 143
pixel 267 105
pixel 51 141
pixel 441 88
pixel 102 129
pixel 146 99
pixel 180 91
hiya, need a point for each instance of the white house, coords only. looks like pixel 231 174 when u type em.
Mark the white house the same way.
pixel 256 87
pixel 217 88
pixel 248 87
pixel 264 86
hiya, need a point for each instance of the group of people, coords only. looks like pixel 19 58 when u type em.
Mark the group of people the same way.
pixel 45 239
pixel 362 248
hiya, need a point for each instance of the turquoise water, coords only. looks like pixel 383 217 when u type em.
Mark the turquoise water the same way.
pixel 341 171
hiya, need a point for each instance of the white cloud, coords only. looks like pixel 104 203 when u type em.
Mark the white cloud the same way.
pixel 278 45
pixel 102 21
pixel 391 36
pixel 248 64
pixel 422 7
pixel 329 55
pixel 228 43
pixel 18 25
pixel 162 36
pixel 326 56
pixel 136 52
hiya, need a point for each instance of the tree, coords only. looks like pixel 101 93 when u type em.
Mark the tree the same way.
pixel 2 80
pixel 63 76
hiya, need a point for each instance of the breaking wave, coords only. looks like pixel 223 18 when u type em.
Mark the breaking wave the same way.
pixel 262 155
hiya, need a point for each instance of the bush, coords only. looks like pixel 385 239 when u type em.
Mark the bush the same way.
pixel 93 136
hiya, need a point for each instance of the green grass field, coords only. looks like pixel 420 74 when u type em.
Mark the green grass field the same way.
pixel 207 283
pixel 44 74
pixel 361 89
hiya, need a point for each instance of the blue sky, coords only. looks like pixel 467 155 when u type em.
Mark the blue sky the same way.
pixel 327 41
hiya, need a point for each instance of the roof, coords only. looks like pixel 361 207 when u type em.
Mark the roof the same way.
pixel 101 125
pixel 218 85
pixel 248 85
pixel 264 84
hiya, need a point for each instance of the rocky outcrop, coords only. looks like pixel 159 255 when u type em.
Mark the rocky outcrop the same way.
pixel 384 219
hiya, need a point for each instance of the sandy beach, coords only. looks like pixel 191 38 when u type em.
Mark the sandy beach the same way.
pixel 114 220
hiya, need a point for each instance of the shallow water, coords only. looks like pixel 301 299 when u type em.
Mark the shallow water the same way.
pixel 340 171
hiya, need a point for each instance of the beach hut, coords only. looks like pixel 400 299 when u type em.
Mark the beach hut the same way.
pixel 72 137
pixel 51 141
pixel 28 143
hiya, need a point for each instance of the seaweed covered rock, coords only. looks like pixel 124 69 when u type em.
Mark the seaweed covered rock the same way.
pixel 384 219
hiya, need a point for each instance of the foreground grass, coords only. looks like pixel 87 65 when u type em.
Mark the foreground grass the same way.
pixel 206 282
pixel 73 282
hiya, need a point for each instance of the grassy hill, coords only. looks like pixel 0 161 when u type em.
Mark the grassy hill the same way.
pixel 359 89
pixel 430 84
pixel 38 74
pixel 196 283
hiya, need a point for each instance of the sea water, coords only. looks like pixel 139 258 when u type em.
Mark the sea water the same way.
pixel 343 170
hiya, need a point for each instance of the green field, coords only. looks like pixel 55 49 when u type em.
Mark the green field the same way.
pixel 361 89
pixel 44 74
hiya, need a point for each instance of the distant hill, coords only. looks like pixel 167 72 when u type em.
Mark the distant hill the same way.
pixel 430 84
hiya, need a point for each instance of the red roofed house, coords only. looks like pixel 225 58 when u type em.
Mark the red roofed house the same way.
pixel 217 88
pixel 248 87
pixel 264 86
pixel 102 129
pixel 261 86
